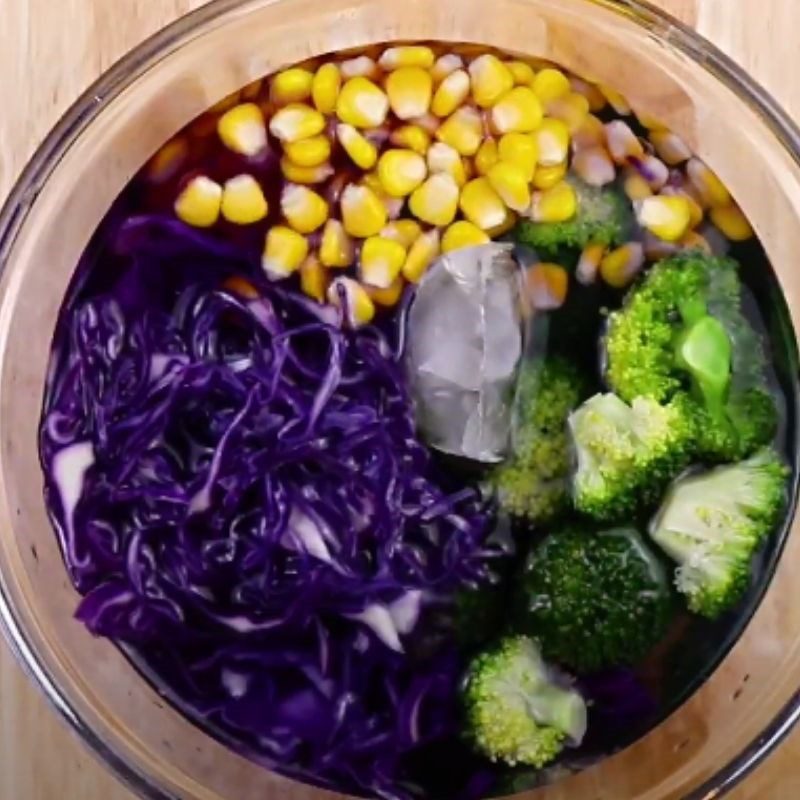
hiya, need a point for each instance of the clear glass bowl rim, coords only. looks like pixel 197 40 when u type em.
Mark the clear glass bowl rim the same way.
pixel 91 103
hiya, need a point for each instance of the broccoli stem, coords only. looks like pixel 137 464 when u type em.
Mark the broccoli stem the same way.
pixel 704 350
pixel 559 708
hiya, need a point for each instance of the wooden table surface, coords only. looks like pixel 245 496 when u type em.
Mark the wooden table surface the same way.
pixel 50 50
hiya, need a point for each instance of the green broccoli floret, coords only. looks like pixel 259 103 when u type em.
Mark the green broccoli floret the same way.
pixel 594 599
pixel 534 483
pixel 515 712
pixel 682 331
pixel 626 454
pixel 604 216
pixel 711 524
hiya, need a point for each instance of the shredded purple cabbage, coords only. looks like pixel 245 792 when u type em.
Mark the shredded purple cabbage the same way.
pixel 243 503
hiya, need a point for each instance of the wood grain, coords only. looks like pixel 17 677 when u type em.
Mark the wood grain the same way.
pixel 51 52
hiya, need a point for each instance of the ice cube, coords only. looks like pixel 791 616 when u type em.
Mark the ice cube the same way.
pixel 465 340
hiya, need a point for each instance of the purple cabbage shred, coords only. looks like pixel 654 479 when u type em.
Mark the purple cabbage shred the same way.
pixel 249 512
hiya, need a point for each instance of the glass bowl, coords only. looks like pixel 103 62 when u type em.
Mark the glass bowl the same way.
pixel 739 712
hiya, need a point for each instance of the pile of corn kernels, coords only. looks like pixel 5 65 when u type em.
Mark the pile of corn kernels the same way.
pixel 391 157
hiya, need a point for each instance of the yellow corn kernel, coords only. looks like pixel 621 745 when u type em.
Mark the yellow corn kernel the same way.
pixel 362 104
pixel 291 86
pixel 552 139
pixel 296 121
pixel 511 184
pixel 622 142
pixel 636 187
pixel 284 252
pixel 462 130
pixel 520 149
pixel 619 267
pixel 463 234
pixel 546 286
pixel 243 202
pixel 241 287
pixel 547 177
pixel 732 222
pixel 363 211
pixel 443 158
pixel 402 231
pixel 571 108
pixel 523 73
pixel 594 166
pixel 387 297
pixel 692 240
pixel 710 187
pixel 305 175
pixel 615 100
pixel 504 227
pixel 242 129
pixel 654 170
pixel 199 203
pixel 482 205
pixel 490 79
pixel 664 216
pixel 313 278
pixel 549 84
pixel 350 296
pixel 359 67
pixel 401 171
pixel 303 208
pixel 412 137
pixel 670 147
pixel 421 255
pixel 406 56
pixel 309 152
pixel 361 150
pixel 649 122
pixel 518 110
pixel 451 93
pixel 166 163
pixel 589 263
pixel 445 65
pixel 381 261
pixel 436 200
pixel 557 204
pixel 487 156
pixel 695 211
pixel 595 98
pixel 336 247
pixel 409 90
pixel 591 133
pixel 325 88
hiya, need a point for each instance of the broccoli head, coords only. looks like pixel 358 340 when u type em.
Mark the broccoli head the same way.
pixel 594 599
pixel 682 330
pixel 515 711
pixel 604 216
pixel 626 454
pixel 711 523
pixel 534 483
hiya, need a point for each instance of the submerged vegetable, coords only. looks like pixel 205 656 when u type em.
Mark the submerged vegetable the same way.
pixel 712 523
pixel 516 712
pixel 534 483
pixel 254 513
pixel 603 216
pixel 594 599
pixel 626 454
pixel 682 330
